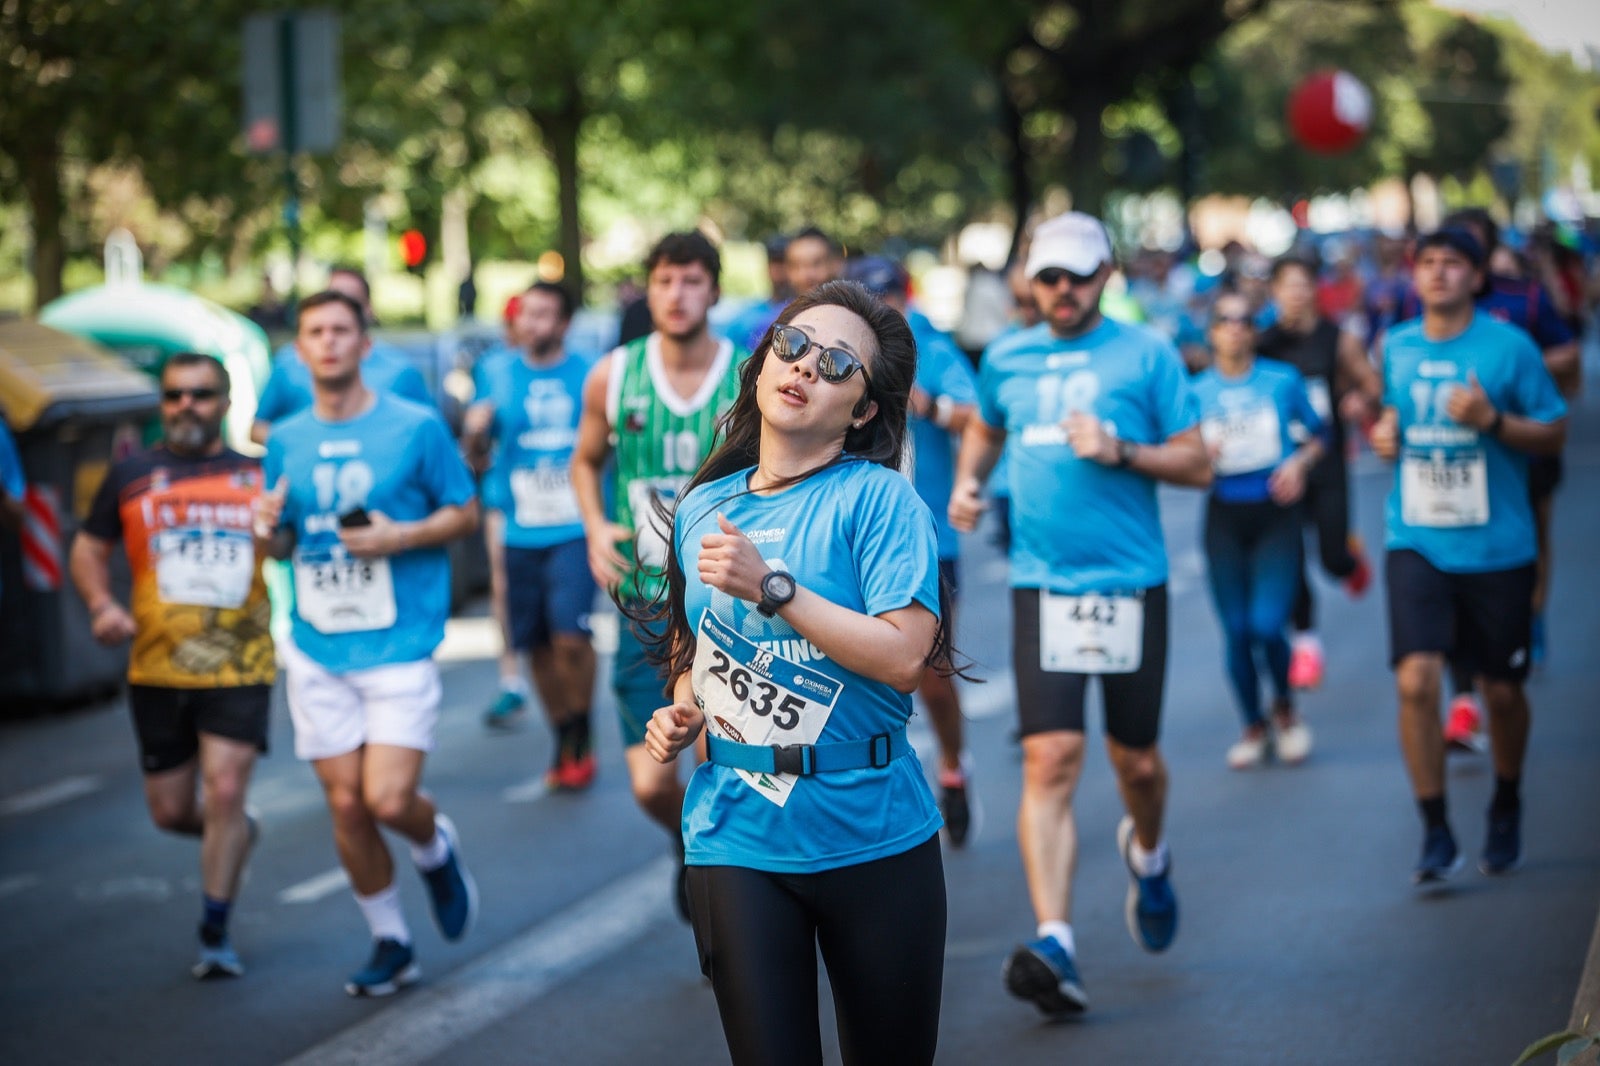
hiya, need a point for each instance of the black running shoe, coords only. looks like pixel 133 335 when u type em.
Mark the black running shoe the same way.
pixel 1502 846
pixel 956 806
pixel 1440 856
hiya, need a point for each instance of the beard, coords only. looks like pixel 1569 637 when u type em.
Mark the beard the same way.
pixel 186 434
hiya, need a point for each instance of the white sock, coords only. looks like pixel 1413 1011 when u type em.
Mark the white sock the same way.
pixel 1308 640
pixel 1148 863
pixel 1062 932
pixel 384 916
pixel 432 855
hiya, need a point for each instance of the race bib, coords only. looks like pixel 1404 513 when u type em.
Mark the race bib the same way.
pixel 653 539
pixel 753 696
pixel 1244 440
pixel 1444 491
pixel 338 593
pixel 1321 399
pixel 543 497
pixel 204 567
pixel 1090 634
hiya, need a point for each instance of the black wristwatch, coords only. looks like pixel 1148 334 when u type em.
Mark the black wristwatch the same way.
pixel 777 589
pixel 1126 449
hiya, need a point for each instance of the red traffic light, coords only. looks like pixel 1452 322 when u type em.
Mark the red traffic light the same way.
pixel 413 248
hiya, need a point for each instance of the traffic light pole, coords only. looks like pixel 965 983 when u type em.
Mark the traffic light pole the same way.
pixel 291 142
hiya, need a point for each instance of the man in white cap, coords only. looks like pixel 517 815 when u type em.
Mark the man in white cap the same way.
pixel 1093 413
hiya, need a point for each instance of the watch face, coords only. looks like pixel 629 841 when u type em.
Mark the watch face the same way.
pixel 778 586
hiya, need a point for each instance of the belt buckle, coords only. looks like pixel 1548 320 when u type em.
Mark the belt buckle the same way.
pixel 794 759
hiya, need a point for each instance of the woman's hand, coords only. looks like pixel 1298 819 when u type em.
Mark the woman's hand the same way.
pixel 671 729
pixel 1288 482
pixel 730 563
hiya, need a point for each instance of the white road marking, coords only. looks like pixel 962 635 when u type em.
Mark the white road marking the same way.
pixel 424 1024
pixel 314 888
pixel 10 886
pixel 69 788
pixel 532 789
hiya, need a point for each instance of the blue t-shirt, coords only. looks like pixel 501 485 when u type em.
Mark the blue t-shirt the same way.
pixel 942 370
pixel 857 535
pixel 11 476
pixel 399 459
pixel 385 369
pixel 1467 492
pixel 536 412
pixel 493 359
pixel 1257 420
pixel 1076 525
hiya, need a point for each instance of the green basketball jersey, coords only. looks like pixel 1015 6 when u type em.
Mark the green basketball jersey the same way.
pixel 661 440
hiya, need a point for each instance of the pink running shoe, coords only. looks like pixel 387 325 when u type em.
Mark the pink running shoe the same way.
pixel 1305 663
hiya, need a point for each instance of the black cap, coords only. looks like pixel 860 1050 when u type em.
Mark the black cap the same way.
pixel 878 274
pixel 1456 238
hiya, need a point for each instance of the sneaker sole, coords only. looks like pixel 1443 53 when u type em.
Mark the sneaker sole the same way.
pixel 1490 870
pixel 1438 875
pixel 205 971
pixel 408 976
pixel 448 828
pixel 1028 977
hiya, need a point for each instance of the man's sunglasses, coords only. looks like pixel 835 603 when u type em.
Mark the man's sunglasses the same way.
pixel 177 395
pixel 1231 320
pixel 834 365
pixel 1050 277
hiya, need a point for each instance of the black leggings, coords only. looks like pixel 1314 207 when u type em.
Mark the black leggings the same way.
pixel 1327 511
pixel 881 927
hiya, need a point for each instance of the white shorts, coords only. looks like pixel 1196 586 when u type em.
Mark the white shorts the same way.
pixel 335 714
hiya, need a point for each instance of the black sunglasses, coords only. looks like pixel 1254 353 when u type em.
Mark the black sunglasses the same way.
pixel 177 395
pixel 834 365
pixel 1231 320
pixel 1050 277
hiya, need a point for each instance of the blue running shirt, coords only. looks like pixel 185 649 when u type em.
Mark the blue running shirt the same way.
pixel 857 535
pixel 1078 526
pixel 399 459
pixel 942 370
pixel 1257 421
pixel 1460 497
pixel 385 369
pixel 536 424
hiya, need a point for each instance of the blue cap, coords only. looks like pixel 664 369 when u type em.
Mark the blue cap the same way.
pixel 879 275
pixel 1457 239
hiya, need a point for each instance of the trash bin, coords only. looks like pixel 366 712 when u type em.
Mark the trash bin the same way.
pixel 145 323
pixel 73 408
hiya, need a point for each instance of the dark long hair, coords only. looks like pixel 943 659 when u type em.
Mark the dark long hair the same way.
pixel 881 440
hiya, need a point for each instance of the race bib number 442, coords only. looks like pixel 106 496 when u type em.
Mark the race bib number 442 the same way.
pixel 1090 634
pixel 753 696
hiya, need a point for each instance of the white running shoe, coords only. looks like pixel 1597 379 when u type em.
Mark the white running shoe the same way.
pixel 1291 739
pixel 1249 750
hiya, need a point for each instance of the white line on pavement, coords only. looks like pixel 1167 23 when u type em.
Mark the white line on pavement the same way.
pixel 69 788
pixel 532 789
pixel 425 1024
pixel 314 888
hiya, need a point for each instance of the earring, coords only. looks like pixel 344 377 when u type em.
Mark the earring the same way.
pixel 856 425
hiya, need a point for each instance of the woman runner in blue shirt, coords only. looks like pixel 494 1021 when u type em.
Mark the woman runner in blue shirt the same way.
pixel 1263 436
pixel 803 605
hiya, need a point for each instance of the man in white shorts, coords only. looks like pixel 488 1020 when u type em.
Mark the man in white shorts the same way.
pixel 366 490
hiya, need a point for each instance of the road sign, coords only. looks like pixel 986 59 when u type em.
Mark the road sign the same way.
pixel 292 99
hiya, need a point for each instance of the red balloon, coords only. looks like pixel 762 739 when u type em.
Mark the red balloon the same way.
pixel 1329 112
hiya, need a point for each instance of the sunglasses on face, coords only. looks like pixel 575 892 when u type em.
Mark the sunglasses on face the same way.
pixel 1231 320
pixel 834 365
pixel 1050 277
pixel 197 395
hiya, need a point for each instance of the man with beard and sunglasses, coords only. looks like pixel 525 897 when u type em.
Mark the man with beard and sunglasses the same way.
pixel 1092 414
pixel 201 670
pixel 655 404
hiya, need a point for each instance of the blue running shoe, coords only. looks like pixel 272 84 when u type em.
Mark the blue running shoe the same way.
pixel 1502 846
pixel 1151 908
pixel 1440 856
pixel 451 888
pixel 506 710
pixel 391 968
pixel 1044 974
pixel 217 960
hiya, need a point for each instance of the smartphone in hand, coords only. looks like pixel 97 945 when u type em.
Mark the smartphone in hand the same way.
pixel 355 519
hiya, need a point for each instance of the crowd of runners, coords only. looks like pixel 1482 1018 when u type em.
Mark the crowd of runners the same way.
pixel 776 509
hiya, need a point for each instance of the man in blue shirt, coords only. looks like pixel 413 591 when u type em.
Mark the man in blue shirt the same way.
pixel 12 483
pixel 289 389
pixel 1467 401
pixel 530 406
pixel 1092 414
pixel 366 491
pixel 943 398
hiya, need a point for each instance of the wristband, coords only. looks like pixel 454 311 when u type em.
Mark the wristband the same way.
pixel 1498 423
pixel 943 411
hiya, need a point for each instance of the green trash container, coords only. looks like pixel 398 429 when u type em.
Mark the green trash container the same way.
pixel 73 408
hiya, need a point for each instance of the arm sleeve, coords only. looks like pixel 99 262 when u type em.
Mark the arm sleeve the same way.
pixel 895 547
pixel 989 408
pixel 409 385
pixel 956 379
pixel 104 519
pixel 1301 411
pixel 1173 399
pixel 445 476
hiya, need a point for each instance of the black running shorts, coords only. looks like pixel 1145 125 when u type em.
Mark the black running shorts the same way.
pixel 1049 702
pixel 1484 619
pixel 169 721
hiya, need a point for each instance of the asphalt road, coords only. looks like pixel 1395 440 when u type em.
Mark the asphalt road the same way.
pixel 1302 937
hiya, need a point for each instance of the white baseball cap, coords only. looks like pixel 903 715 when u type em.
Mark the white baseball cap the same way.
pixel 1074 242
